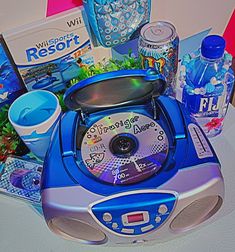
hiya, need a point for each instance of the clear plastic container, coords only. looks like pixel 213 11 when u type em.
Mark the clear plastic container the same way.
pixel 207 81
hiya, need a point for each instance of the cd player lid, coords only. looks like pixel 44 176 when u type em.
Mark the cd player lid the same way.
pixel 113 89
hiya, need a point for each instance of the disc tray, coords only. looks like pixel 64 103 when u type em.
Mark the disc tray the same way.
pixel 124 148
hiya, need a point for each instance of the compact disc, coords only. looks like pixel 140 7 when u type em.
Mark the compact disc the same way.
pixel 124 148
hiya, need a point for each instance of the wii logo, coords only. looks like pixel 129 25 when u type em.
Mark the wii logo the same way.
pixel 75 22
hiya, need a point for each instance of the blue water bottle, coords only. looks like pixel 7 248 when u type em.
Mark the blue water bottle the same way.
pixel 207 81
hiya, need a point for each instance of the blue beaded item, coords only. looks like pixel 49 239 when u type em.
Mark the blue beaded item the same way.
pixel 115 21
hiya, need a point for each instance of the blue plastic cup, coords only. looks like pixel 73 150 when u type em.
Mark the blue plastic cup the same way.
pixel 34 116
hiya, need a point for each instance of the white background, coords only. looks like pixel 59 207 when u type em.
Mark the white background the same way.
pixel 188 16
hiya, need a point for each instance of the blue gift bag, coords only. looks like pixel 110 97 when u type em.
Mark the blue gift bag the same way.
pixel 116 21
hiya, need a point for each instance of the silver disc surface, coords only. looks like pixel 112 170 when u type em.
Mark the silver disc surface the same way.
pixel 151 148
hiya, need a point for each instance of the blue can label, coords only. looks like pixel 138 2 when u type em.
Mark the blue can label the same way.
pixel 164 58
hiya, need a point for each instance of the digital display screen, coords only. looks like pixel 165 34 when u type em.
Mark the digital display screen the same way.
pixel 135 218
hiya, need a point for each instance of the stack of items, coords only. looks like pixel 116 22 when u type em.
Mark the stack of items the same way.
pixel 114 163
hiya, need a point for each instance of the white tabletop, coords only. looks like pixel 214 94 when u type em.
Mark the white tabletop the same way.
pixel 23 229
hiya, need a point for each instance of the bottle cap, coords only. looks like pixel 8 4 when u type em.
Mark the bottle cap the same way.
pixel 213 47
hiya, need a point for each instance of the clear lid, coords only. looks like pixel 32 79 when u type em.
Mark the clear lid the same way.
pixel 114 89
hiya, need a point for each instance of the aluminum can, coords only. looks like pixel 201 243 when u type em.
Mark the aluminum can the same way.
pixel 158 48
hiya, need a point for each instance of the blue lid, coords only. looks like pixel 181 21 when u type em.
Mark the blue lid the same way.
pixel 114 89
pixel 213 47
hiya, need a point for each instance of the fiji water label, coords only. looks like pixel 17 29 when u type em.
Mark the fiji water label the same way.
pixel 207 109
pixel 203 103
pixel 50 53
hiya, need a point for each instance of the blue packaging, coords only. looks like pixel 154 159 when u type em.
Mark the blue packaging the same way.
pixel 116 21
pixel 11 84
pixel 21 179
pixel 51 52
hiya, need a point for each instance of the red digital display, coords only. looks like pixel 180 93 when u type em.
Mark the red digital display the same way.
pixel 135 218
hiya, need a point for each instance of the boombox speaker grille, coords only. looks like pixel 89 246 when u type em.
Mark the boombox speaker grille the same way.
pixel 196 213
pixel 76 229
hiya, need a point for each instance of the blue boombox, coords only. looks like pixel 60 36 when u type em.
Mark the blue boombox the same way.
pixel 126 165
pixel 116 21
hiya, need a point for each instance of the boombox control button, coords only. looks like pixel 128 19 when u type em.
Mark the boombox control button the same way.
pixel 162 209
pixel 128 231
pixel 107 217
pixel 114 225
pixel 158 219
pixel 139 241
pixel 147 228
